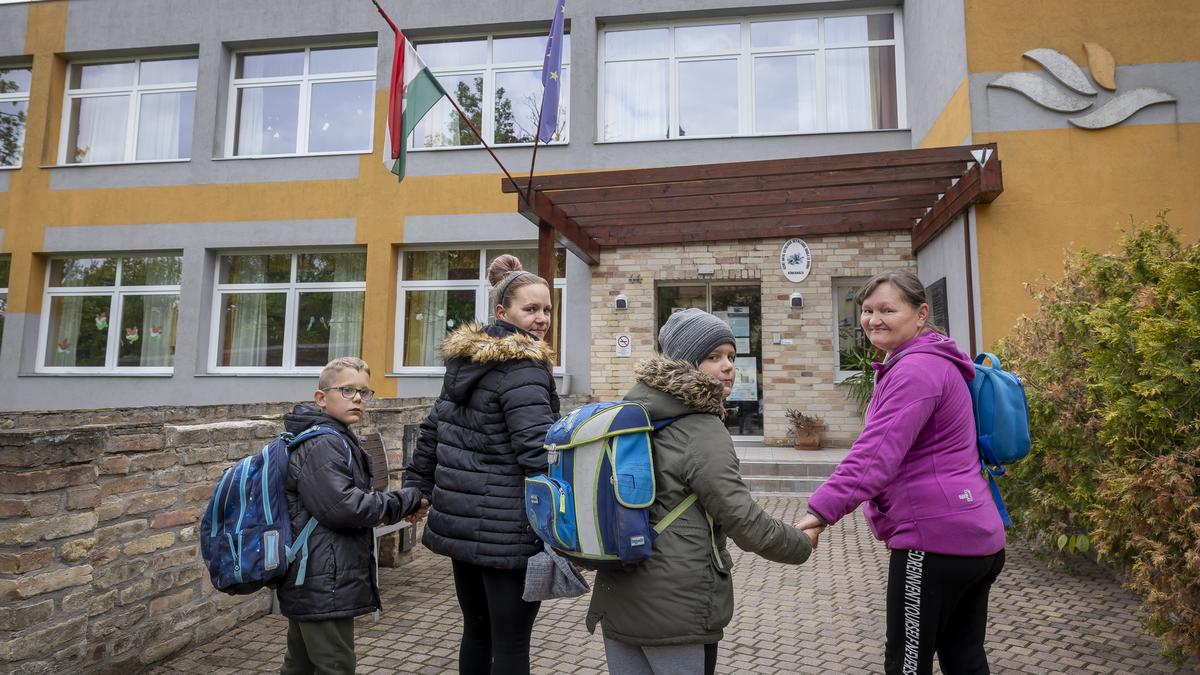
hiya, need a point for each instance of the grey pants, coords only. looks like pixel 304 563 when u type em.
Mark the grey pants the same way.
pixel 627 659
pixel 319 648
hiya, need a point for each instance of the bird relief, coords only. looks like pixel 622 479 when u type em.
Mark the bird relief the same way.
pixel 1079 93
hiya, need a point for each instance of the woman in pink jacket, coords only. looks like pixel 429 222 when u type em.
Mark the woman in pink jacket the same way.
pixel 917 467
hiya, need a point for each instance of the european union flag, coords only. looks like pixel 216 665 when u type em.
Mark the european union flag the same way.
pixel 552 76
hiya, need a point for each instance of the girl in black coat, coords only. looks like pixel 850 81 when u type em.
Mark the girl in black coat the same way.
pixel 481 438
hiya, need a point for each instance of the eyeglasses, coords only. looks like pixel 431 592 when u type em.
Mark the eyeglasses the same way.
pixel 349 393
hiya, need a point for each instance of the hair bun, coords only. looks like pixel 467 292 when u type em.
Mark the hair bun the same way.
pixel 502 266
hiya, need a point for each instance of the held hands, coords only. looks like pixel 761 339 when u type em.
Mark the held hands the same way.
pixel 811 526
pixel 419 515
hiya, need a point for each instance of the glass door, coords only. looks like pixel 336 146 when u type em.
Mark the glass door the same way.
pixel 739 305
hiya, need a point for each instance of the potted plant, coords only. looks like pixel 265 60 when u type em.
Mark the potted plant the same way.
pixel 804 429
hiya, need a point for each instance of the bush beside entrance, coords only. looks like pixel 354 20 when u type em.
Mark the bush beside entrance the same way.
pixel 1111 364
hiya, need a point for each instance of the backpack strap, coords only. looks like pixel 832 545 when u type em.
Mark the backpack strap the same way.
pixel 686 504
pixel 674 514
pixel 300 544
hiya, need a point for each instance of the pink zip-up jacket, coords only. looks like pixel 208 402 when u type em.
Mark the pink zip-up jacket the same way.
pixel 916 463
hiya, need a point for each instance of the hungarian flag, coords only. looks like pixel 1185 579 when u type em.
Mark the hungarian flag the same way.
pixel 414 92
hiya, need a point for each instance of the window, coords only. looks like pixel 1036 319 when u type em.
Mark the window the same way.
pixel 442 289
pixel 14 106
pixel 767 76
pixel 127 111
pixel 849 342
pixel 290 312
pixel 111 314
pixel 5 262
pixel 303 101
pixel 497 81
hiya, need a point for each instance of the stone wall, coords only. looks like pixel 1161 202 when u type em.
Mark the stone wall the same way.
pixel 800 375
pixel 99 564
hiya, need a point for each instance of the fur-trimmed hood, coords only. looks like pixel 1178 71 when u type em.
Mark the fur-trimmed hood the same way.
pixel 474 342
pixel 473 350
pixel 694 390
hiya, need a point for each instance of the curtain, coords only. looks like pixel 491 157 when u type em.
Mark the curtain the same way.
pixel 883 87
pixel 635 101
pixel 160 125
pixel 247 329
pixel 847 89
pixel 100 129
pixel 63 336
pixel 159 316
pixel 250 122
pixel 346 314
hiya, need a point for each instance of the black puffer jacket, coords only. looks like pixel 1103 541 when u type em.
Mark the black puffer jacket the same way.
pixel 331 480
pixel 481 438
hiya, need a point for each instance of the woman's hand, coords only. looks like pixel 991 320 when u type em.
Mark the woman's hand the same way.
pixel 812 526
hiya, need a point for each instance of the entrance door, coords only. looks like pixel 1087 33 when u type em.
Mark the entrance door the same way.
pixel 740 306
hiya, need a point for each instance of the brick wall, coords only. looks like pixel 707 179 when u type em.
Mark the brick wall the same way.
pixel 800 375
pixel 99 565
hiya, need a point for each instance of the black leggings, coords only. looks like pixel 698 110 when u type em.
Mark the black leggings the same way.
pixel 497 623
pixel 938 604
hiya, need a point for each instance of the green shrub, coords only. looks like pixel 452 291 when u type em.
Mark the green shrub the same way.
pixel 1111 364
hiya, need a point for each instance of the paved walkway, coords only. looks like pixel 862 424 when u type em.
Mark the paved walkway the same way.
pixel 825 616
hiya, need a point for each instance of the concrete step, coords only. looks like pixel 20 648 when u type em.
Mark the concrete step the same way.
pixel 794 469
pixel 765 485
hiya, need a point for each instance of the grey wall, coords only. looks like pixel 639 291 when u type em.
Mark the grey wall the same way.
pixel 943 257
pixel 935 55
pixel 13 19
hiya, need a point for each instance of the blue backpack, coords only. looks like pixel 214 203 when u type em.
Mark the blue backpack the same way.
pixel 246 533
pixel 1001 421
pixel 593 505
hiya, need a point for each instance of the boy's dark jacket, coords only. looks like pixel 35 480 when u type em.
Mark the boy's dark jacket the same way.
pixel 340 580
pixel 481 438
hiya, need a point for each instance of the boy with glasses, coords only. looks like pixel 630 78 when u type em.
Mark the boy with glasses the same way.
pixel 329 479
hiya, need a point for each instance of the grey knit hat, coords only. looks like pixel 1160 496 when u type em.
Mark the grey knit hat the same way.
pixel 691 334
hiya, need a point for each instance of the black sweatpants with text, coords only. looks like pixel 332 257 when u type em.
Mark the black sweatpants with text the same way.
pixel 938 604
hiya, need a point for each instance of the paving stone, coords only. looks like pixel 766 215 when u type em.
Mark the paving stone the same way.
pixel 826 616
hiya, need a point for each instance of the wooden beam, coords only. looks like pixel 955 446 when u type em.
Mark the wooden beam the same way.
pixel 862 177
pixel 991 183
pixel 927 189
pixel 718 231
pixel 570 234
pixel 791 166
pixel 960 195
pixel 822 215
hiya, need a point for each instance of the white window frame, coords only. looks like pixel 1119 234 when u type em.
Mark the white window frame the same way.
pixel 293 289
pixel 842 284
pixel 18 97
pixel 118 291
pixel 489 71
pixel 745 57
pixel 135 92
pixel 306 81
pixel 482 309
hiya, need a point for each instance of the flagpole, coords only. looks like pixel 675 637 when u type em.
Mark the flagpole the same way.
pixel 537 136
pixel 463 115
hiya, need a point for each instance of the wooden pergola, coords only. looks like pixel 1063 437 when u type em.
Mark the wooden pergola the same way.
pixel 920 191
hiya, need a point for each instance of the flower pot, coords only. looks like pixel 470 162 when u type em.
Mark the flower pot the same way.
pixel 808 439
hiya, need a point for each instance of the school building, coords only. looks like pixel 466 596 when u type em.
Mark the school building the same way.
pixel 194 208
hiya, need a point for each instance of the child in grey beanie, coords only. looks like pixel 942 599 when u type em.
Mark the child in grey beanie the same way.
pixel 692 334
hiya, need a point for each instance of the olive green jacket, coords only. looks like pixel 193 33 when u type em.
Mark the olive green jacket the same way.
pixel 683 593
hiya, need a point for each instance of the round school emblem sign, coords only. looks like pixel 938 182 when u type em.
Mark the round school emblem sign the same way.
pixel 795 260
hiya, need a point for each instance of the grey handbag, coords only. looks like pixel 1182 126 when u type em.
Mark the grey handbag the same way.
pixel 549 575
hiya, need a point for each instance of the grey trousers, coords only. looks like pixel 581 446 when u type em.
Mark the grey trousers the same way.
pixel 627 659
pixel 319 648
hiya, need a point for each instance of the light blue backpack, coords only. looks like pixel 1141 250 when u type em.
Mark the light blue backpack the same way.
pixel 593 505
pixel 1001 421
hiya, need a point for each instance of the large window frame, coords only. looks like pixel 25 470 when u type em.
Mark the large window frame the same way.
pixel 292 288
pixel 481 289
pixel 15 99
pixel 305 81
pixel 136 91
pixel 746 56
pixel 117 293
pixel 489 69
pixel 843 291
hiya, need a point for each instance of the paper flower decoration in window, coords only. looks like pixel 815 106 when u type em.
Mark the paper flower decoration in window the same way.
pixel 131 334
pixel 102 321
pixel 155 332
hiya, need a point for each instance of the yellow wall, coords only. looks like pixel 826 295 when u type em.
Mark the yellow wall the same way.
pixel 1074 188
pixel 374 200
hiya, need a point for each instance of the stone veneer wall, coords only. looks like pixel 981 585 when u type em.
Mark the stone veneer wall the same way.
pixel 99 565
pixel 800 375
